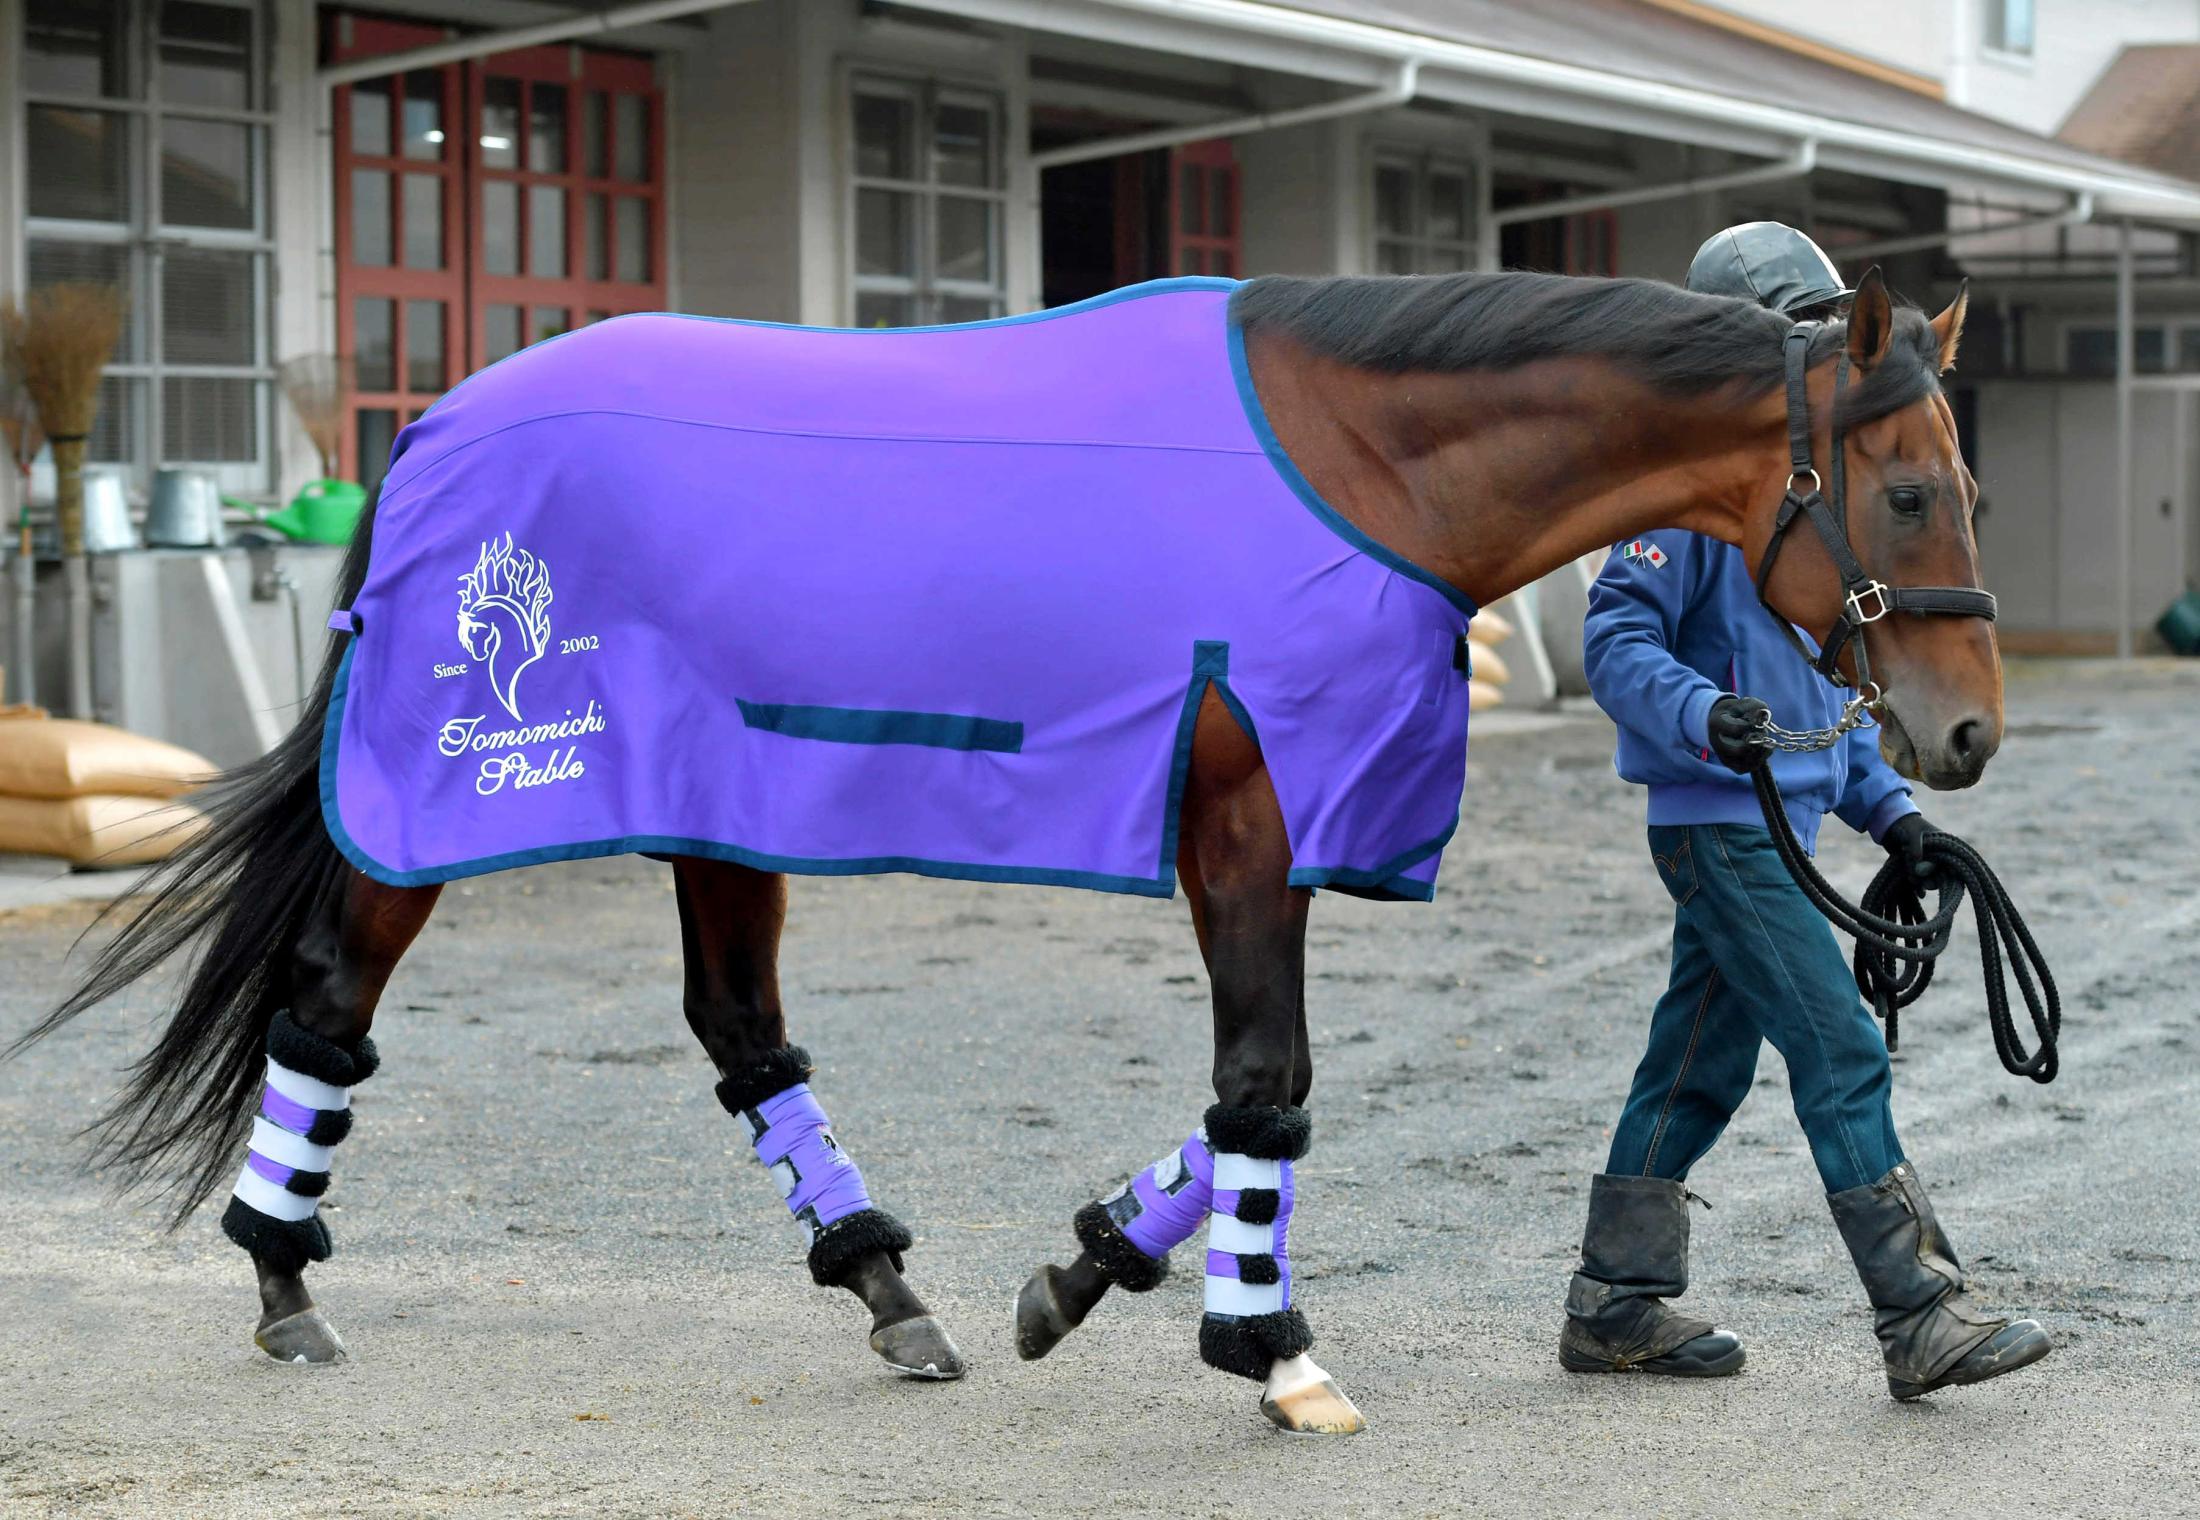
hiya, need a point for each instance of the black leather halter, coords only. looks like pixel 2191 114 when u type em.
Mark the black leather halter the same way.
pixel 1864 599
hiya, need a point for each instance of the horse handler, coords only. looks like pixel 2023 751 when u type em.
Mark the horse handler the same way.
pixel 1674 632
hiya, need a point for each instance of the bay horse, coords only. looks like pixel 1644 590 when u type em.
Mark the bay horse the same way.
pixel 1393 452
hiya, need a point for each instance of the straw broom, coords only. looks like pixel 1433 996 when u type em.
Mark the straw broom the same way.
pixel 319 389
pixel 58 342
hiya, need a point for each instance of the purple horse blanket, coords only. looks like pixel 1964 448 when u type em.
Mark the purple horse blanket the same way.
pixel 942 600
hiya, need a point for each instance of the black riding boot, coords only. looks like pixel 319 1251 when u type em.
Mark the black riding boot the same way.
pixel 1931 1331
pixel 1634 1255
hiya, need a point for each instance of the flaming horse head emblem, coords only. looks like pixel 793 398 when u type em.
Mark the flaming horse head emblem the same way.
pixel 504 615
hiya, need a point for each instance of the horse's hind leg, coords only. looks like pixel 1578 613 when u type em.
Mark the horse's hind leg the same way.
pixel 730 918
pixel 317 1049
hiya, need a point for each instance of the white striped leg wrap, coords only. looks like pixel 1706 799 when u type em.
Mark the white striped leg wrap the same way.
pixel 285 1173
pixel 1231 1240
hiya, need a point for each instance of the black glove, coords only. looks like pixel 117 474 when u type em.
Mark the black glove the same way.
pixel 1905 841
pixel 1738 733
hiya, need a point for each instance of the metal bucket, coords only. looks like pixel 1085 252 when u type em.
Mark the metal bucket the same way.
pixel 186 512
pixel 107 512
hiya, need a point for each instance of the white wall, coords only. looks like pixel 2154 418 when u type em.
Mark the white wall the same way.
pixel 2075 40
pixel 733 99
pixel 2047 479
pixel 1903 34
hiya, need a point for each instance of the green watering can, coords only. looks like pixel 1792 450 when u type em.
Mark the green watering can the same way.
pixel 2180 624
pixel 323 512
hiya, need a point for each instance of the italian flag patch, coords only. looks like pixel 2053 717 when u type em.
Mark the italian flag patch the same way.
pixel 1642 553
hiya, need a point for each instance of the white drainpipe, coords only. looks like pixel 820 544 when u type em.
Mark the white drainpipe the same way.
pixel 1398 92
pixel 480 44
pixel 1795 165
pixel 2077 213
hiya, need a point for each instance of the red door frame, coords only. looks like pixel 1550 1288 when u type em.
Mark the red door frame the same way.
pixel 463 283
pixel 1196 246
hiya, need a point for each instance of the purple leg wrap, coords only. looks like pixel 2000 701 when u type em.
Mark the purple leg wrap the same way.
pixel 1250 1323
pixel 819 1181
pixel 1130 1232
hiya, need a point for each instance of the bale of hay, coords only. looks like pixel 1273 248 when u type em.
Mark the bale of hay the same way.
pixel 60 758
pixel 1489 628
pixel 97 830
pixel 1481 696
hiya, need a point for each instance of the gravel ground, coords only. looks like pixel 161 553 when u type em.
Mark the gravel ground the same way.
pixel 568 1291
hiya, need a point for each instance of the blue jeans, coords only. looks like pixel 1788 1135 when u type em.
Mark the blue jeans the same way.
pixel 1753 961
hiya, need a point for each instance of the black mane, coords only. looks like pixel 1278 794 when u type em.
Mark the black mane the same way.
pixel 1667 337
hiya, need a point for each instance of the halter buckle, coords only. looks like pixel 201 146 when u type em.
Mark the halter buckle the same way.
pixel 1876 594
pixel 1817 486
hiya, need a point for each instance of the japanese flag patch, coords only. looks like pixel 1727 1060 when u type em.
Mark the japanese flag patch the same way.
pixel 1642 553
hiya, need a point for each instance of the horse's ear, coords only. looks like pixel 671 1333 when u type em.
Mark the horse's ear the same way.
pixel 1871 321
pixel 1948 326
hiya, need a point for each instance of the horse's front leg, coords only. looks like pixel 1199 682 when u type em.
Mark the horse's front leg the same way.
pixel 1252 932
pixel 730 921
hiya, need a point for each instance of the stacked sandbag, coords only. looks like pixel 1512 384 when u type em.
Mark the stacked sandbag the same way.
pixel 1485 633
pixel 93 794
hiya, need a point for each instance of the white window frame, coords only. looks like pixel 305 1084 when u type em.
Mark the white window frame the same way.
pixel 925 288
pixel 148 239
pixel 1419 163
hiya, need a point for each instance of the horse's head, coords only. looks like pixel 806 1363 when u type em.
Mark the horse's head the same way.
pixel 1908 517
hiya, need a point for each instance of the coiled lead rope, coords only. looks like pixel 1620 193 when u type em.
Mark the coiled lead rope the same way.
pixel 1898 944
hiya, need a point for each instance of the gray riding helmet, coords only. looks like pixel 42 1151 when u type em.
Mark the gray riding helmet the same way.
pixel 1768 263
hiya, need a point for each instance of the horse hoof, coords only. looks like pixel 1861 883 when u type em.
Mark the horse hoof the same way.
pixel 1302 1399
pixel 1041 1321
pixel 305 1337
pixel 920 1347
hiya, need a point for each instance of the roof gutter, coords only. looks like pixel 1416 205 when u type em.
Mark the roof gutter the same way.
pixel 1542 78
pixel 2076 214
pixel 1399 91
pixel 590 23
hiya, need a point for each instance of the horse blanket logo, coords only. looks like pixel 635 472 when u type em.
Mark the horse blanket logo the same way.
pixel 504 615
pixel 944 600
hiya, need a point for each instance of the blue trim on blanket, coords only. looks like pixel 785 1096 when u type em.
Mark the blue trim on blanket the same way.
pixel 1329 516
pixel 883 725
pixel 1210 663
pixel 1386 882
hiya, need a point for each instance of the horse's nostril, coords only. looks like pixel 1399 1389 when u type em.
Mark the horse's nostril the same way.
pixel 1968 741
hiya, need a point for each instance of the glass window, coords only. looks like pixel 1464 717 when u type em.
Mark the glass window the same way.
pixel 371 238
pixel 2091 351
pixel 929 204
pixel 79 164
pixel 2009 25
pixel 546 128
pixel 546 231
pixel 370 118
pixel 500 226
pixel 423 221
pixel 76 47
pixel 206 173
pixel 501 332
pixel 630 240
pixel 500 122
pixel 424 346
pixel 207 297
pixel 423 114
pixel 374 343
pixel 2188 350
pixel 1424 213
pixel 206 419
pixel 205 55
pixel 596 135
pixel 630 138
pixel 377 432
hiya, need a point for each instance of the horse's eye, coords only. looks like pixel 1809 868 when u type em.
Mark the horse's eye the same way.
pixel 1907 501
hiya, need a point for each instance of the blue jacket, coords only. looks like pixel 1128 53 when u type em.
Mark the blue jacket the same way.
pixel 1674 624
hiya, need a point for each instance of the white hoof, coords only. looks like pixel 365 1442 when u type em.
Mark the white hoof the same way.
pixel 1300 1397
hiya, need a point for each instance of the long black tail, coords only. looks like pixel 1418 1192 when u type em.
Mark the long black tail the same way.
pixel 235 900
